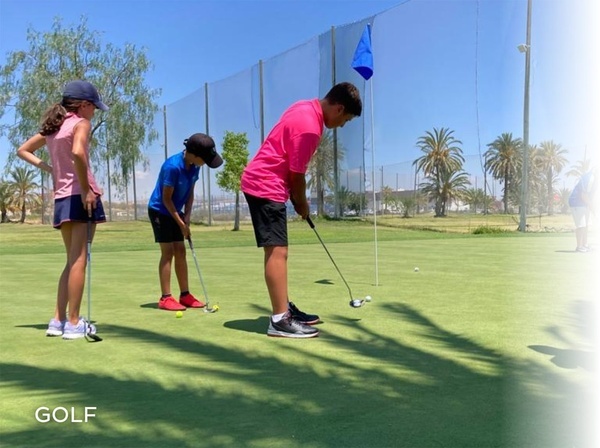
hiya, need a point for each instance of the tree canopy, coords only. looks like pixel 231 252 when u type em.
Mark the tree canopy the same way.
pixel 235 155
pixel 33 79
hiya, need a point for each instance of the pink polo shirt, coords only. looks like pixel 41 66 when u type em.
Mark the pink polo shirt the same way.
pixel 60 147
pixel 288 148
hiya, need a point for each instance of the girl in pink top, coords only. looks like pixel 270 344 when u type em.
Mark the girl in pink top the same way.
pixel 65 130
pixel 276 174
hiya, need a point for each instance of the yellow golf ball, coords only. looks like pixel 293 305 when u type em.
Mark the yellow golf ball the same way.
pixel 178 314
pixel 216 307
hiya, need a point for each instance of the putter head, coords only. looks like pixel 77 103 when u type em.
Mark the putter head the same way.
pixel 93 338
pixel 211 309
pixel 357 303
pixel 89 336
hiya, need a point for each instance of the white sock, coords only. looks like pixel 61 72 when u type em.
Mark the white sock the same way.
pixel 277 317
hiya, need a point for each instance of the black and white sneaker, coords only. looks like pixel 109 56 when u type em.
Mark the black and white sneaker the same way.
pixel 289 327
pixel 300 316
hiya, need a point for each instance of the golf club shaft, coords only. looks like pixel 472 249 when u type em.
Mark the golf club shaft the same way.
pixel 312 226
pixel 94 337
pixel 89 271
pixel 198 269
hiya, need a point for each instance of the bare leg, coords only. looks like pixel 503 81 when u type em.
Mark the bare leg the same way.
pixel 77 262
pixel 164 267
pixel 276 277
pixel 181 268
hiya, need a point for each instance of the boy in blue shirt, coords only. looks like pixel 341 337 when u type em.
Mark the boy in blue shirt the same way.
pixel 170 210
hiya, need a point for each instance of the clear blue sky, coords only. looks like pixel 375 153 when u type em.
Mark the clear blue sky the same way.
pixel 189 41
pixel 426 60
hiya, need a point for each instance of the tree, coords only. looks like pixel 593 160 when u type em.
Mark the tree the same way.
pixel 451 185
pixel 320 170
pixel 442 160
pixel 235 155
pixel 476 197
pixel 551 161
pixel 33 79
pixel 502 160
pixel 388 198
pixel 6 200
pixel 580 168
pixel 407 204
pixel 23 190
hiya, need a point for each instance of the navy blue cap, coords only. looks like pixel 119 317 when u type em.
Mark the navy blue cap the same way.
pixel 83 90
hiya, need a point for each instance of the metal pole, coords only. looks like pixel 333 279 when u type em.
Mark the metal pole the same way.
pixel 207 170
pixel 261 101
pixel 165 130
pixel 373 177
pixel 525 175
pixel 336 180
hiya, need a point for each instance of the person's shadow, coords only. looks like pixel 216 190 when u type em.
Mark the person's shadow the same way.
pixel 568 358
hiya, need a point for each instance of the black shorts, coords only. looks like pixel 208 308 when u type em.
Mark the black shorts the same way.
pixel 269 219
pixel 70 209
pixel 166 229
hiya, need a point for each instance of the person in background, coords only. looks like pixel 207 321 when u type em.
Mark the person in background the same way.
pixel 170 210
pixel 65 131
pixel 581 202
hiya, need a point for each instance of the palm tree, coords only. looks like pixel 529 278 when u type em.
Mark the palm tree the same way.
pixel 23 188
pixel 441 160
pixel 407 204
pixel 551 161
pixel 475 197
pixel 580 168
pixel 5 200
pixel 387 198
pixel 502 161
pixel 452 185
pixel 321 170
pixel 563 199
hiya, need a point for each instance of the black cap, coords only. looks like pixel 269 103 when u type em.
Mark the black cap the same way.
pixel 203 146
pixel 83 90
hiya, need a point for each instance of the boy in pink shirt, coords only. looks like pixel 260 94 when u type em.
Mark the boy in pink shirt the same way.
pixel 276 174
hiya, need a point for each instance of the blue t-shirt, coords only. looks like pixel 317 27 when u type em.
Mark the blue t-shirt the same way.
pixel 174 174
pixel 585 185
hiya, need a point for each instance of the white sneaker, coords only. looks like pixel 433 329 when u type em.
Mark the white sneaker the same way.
pixel 55 328
pixel 78 331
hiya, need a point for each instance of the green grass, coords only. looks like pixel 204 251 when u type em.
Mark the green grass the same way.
pixel 489 344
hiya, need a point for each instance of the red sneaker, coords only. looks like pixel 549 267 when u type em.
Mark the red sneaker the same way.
pixel 191 302
pixel 170 304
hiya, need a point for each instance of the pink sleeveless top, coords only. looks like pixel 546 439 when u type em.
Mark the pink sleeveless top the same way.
pixel 60 146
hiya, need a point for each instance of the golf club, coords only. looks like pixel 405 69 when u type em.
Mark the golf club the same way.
pixel 207 308
pixel 354 303
pixel 88 336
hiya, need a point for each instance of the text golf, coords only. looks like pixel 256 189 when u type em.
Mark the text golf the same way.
pixel 62 415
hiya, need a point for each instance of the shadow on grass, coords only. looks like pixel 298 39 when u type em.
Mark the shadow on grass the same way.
pixel 374 390
pixel 258 325
pixel 325 281
pixel 566 358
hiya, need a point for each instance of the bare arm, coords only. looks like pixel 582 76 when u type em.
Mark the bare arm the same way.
pixel 298 194
pixel 80 158
pixel 167 195
pixel 80 140
pixel 188 207
pixel 27 149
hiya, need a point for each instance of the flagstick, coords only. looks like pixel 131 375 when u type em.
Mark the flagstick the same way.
pixel 373 183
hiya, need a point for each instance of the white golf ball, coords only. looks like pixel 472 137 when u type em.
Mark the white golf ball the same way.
pixel 368 298
pixel 416 269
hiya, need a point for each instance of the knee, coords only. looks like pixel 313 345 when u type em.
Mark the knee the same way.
pixel 179 253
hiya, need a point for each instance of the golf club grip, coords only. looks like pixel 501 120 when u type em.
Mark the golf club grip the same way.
pixel 310 223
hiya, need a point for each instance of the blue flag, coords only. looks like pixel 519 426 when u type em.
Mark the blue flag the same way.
pixel 363 55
